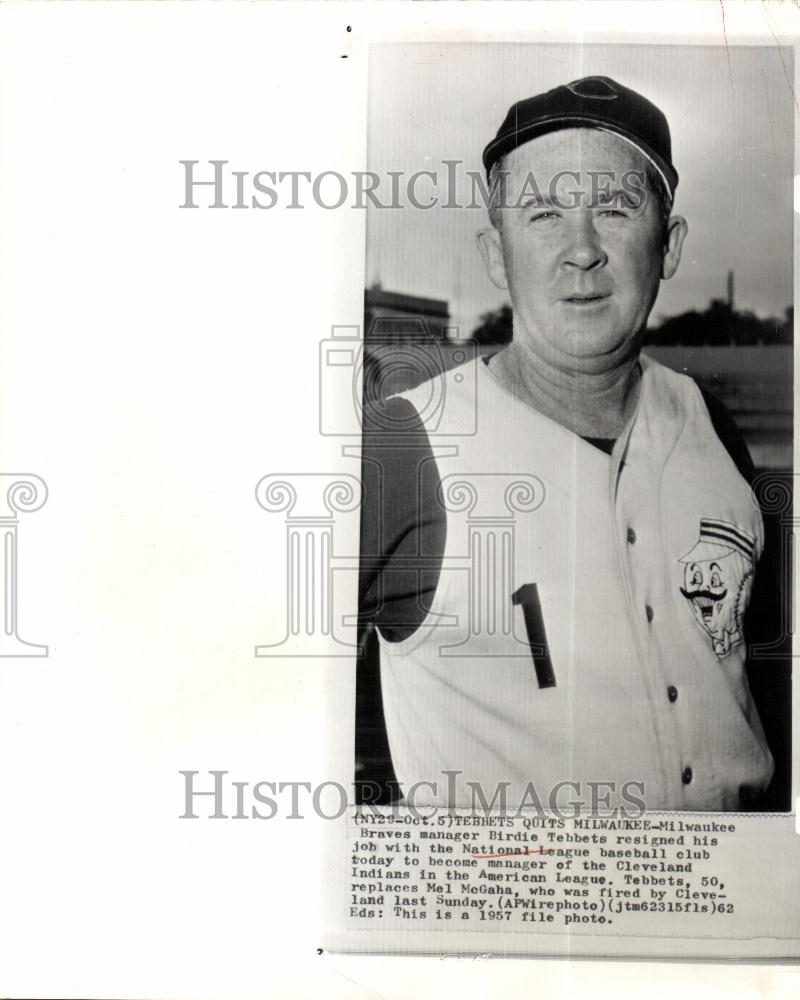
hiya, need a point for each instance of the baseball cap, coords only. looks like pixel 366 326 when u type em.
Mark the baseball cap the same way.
pixel 593 102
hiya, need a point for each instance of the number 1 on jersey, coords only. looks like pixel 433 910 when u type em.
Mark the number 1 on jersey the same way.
pixel 528 597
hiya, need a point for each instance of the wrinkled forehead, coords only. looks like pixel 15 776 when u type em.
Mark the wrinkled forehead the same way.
pixel 582 151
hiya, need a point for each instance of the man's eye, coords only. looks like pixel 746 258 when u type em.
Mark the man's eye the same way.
pixel 614 212
pixel 536 216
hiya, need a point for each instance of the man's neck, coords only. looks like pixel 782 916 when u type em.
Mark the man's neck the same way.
pixel 592 404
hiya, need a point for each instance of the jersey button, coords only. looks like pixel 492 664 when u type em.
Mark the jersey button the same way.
pixel 631 536
pixel 686 776
pixel 649 612
pixel 672 693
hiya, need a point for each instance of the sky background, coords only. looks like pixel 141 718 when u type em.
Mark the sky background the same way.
pixel 731 114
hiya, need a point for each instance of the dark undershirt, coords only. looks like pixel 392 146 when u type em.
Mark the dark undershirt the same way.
pixel 604 444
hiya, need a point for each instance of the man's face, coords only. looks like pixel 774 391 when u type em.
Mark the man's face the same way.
pixel 583 261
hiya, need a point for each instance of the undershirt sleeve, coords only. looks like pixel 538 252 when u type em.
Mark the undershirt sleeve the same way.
pixel 403 525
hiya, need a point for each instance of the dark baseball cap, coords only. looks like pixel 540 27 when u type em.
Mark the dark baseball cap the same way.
pixel 593 102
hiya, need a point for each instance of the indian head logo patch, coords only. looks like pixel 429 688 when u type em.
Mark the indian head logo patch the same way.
pixel 717 578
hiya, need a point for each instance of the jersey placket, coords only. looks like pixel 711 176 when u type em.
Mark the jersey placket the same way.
pixel 639 555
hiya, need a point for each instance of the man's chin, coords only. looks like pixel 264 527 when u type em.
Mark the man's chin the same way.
pixel 584 344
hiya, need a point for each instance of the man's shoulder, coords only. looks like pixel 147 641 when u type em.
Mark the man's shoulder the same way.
pixel 677 381
pixel 463 374
pixel 729 434
pixel 447 402
pixel 722 422
pixel 393 416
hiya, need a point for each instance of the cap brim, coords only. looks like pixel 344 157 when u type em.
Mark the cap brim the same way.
pixel 511 140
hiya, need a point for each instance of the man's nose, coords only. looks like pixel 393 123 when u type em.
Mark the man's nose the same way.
pixel 583 249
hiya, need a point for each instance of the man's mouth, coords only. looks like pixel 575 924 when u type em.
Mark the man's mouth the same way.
pixel 584 300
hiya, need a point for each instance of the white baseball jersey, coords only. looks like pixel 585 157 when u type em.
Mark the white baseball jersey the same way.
pixel 587 624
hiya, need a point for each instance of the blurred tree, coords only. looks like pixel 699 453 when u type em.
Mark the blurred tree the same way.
pixel 495 327
pixel 721 325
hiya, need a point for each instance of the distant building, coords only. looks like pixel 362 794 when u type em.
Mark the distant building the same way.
pixel 405 341
pixel 402 316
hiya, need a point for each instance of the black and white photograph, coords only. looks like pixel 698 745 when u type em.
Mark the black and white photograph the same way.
pixel 576 583
pixel 397 500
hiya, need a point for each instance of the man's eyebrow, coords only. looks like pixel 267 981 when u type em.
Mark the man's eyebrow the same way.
pixel 603 195
pixel 609 195
pixel 530 199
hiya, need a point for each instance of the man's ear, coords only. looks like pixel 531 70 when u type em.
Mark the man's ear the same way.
pixel 491 247
pixel 676 233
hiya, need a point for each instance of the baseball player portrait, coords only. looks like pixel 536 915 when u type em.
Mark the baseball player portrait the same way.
pixel 560 543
